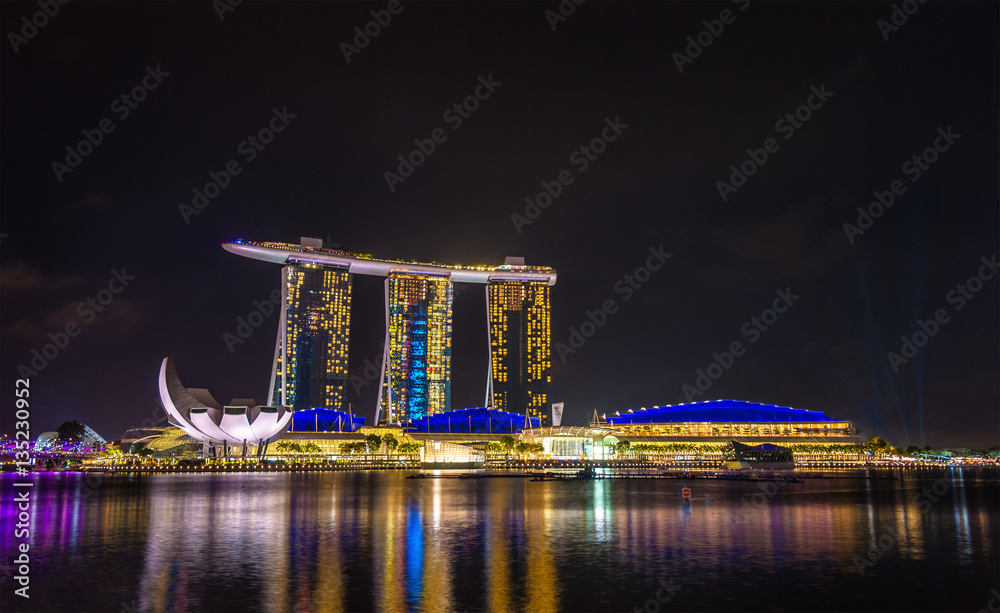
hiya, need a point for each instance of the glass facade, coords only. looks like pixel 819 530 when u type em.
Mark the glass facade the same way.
pixel 521 347
pixel 733 429
pixel 328 446
pixel 419 347
pixel 311 355
pixel 443 452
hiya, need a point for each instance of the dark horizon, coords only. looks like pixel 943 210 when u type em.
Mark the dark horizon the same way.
pixel 665 137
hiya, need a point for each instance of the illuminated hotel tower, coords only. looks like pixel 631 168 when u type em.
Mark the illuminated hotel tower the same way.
pixel 310 359
pixel 520 347
pixel 418 346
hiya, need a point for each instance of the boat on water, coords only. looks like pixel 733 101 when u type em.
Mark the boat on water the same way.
pixel 585 474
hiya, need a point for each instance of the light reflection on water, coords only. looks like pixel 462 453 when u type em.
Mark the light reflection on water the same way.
pixel 377 541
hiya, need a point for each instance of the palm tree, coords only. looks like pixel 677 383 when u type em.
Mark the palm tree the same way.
pixel 876 446
pixel 374 442
pixel 390 442
pixel 358 447
pixel 70 430
pixel 409 448
pixel 508 442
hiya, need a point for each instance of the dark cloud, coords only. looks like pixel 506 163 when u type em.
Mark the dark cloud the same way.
pixel 117 318
pixel 19 278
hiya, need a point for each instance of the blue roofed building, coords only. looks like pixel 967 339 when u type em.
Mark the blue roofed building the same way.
pixel 728 419
pixel 477 420
pixel 325 420
pixel 710 426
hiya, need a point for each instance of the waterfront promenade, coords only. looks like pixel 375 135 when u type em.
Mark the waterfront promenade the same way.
pixel 692 467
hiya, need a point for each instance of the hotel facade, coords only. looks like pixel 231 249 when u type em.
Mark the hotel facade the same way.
pixel 520 348
pixel 310 357
pixel 418 346
pixel 311 352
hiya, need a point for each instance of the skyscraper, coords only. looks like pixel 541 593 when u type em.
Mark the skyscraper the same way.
pixel 520 346
pixel 310 359
pixel 418 346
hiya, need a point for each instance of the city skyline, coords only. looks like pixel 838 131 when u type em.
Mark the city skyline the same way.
pixel 679 189
pixel 458 306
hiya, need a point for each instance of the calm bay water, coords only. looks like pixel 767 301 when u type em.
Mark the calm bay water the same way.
pixel 377 541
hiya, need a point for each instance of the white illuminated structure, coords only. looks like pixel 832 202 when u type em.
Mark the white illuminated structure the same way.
pixel 358 264
pixel 196 412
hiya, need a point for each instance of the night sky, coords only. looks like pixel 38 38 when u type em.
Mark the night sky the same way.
pixel 868 98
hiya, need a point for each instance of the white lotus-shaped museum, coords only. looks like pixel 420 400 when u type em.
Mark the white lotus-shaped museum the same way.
pixel 196 412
